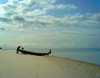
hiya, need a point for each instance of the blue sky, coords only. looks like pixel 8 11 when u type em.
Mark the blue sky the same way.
pixel 50 23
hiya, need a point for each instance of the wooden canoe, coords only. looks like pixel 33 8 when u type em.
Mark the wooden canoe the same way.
pixel 34 53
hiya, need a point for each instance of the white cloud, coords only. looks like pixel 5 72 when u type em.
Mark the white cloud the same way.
pixel 23 29
pixel 52 1
pixel 47 20
pixel 60 6
pixel 70 32
pixel 8 7
pixel 14 12
pixel 78 17
pixel 36 28
pixel 4 26
pixel 71 6
pixel 36 12
pixel 88 14
pixel 95 17
pixel 31 3
pixel 48 6
pixel 12 8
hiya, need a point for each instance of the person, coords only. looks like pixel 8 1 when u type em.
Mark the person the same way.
pixel 22 48
pixel 18 49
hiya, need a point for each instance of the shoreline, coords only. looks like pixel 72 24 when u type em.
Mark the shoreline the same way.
pixel 29 66
pixel 76 60
pixel 13 50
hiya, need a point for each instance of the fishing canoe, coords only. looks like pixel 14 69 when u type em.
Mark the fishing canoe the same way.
pixel 33 53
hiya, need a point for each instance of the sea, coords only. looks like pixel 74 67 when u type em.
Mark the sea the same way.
pixel 85 55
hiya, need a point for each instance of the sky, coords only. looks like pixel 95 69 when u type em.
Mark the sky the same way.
pixel 50 23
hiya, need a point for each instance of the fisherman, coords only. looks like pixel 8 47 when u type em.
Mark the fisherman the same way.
pixel 18 49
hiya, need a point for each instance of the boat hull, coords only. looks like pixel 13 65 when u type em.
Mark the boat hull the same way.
pixel 34 53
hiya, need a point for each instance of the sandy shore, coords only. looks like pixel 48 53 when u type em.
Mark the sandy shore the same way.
pixel 14 65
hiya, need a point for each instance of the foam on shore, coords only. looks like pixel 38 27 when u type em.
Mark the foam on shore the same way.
pixel 14 65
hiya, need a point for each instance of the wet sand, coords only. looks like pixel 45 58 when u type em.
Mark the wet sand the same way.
pixel 14 65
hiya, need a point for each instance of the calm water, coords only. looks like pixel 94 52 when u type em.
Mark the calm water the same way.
pixel 86 55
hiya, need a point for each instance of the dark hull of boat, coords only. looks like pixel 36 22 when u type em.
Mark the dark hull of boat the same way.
pixel 34 53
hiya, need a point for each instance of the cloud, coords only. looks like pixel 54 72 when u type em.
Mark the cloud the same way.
pixel 19 19
pixel 4 45
pixel 31 3
pixel 70 32
pixel 60 21
pixel 93 20
pixel 52 1
pixel 7 26
pixel 14 12
pixel 12 8
pixel 8 7
pixel 2 28
pixel 93 32
pixel 60 6
pixel 47 20
pixel 95 17
pixel 78 17
pixel 3 19
pixel 36 12
pixel 71 6
pixel 8 14
pixel 48 7
pixel 88 14
pixel 23 29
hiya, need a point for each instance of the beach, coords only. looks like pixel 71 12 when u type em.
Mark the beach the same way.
pixel 14 65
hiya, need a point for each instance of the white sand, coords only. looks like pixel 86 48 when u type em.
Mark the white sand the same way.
pixel 14 65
